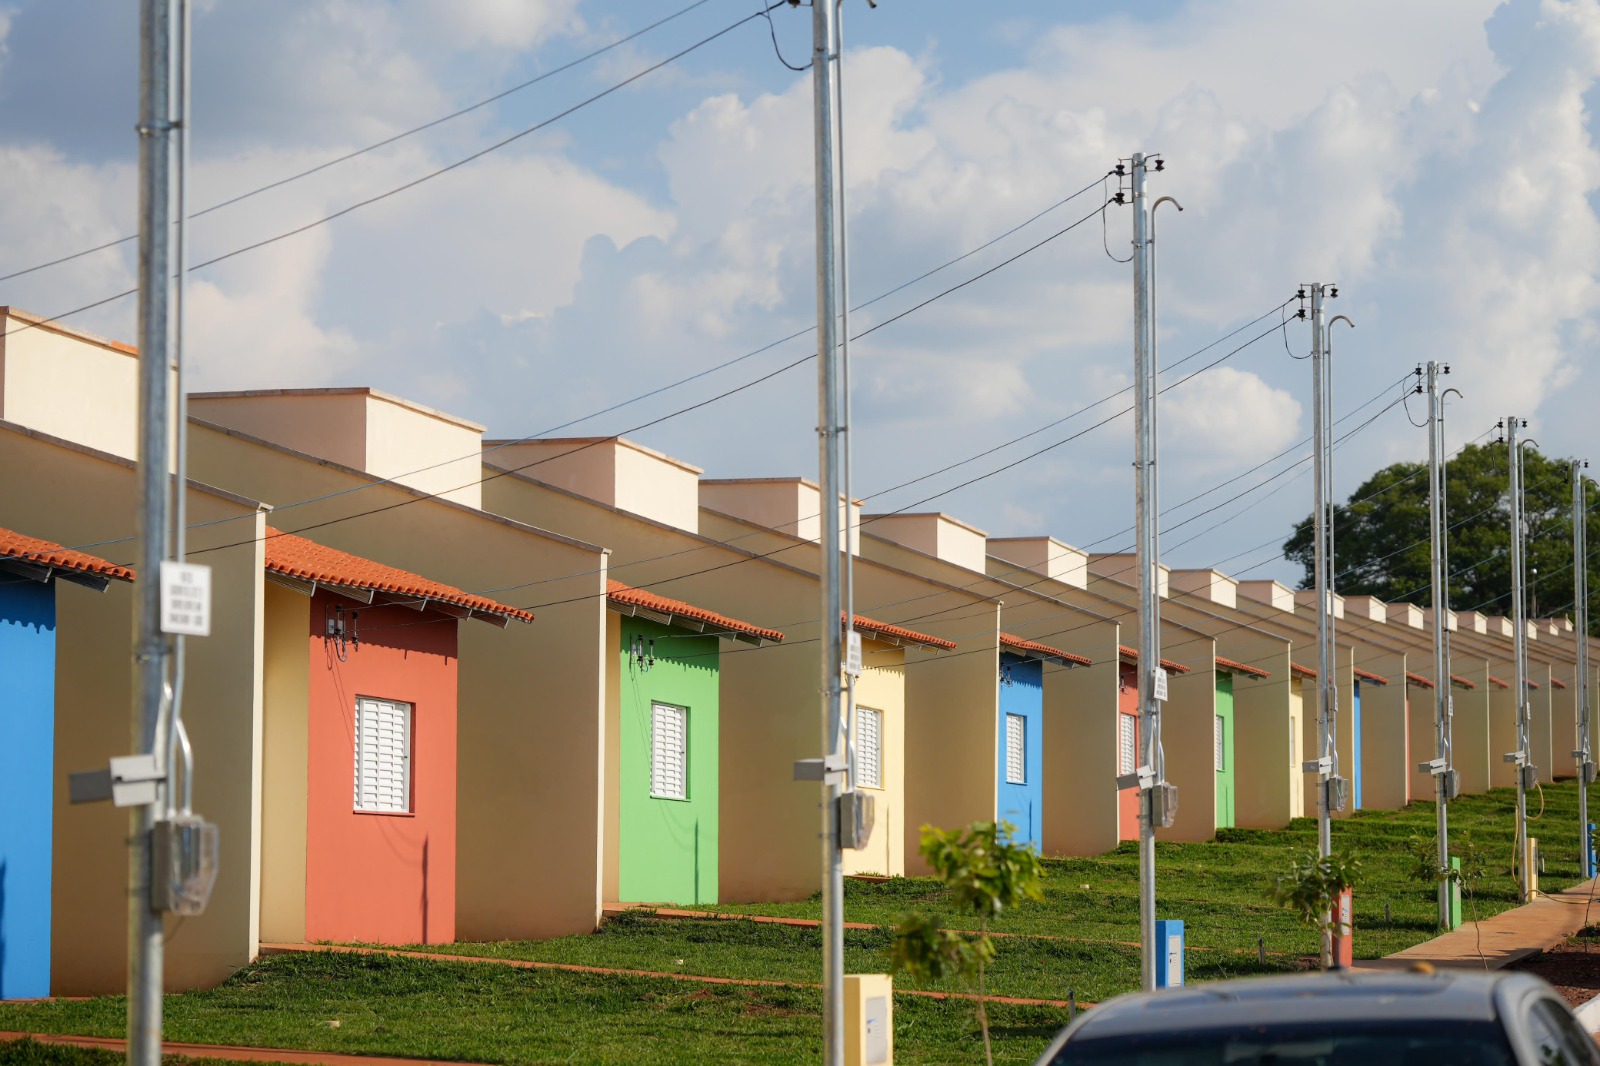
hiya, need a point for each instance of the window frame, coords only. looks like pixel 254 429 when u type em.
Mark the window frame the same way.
pixel 877 763
pixel 1021 724
pixel 1219 750
pixel 682 712
pixel 407 757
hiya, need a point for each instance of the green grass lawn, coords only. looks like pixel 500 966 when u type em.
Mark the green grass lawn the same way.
pixel 32 1053
pixel 1218 889
pixel 483 1012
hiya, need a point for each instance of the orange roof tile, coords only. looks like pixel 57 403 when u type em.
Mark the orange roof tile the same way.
pixel 1368 675
pixel 1495 681
pixel 620 595
pixel 1558 683
pixel 1461 682
pixel 1296 670
pixel 1241 668
pixel 1033 648
pixel 306 560
pixel 26 549
pixel 1132 655
pixel 1417 680
pixel 894 634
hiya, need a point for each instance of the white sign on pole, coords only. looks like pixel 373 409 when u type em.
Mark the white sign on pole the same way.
pixel 186 599
pixel 852 654
pixel 1160 676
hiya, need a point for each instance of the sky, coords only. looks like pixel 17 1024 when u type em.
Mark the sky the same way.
pixel 1435 159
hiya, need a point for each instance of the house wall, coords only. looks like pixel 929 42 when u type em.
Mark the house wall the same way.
pixel 1422 739
pixel 376 876
pixel 1502 733
pixel 285 758
pixel 361 428
pixel 75 496
pixel 1563 722
pixel 1022 803
pixel 1225 807
pixel 100 408
pixel 1128 705
pixel 27 742
pixel 1081 802
pixel 1386 763
pixel 1266 778
pixel 1540 713
pixel 882 686
pixel 1302 695
pixel 531 698
pixel 1187 722
pixel 667 848
pixel 1470 750
pixel 615 472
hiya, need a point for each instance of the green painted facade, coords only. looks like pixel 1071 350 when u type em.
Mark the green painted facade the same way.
pixel 1225 812
pixel 667 848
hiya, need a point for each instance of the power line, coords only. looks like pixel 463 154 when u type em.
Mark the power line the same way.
pixel 346 157
pixel 413 183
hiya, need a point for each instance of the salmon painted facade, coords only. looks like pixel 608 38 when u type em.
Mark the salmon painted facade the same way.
pixel 359 781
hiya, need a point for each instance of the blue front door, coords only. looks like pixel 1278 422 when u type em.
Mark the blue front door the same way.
pixel 1020 794
pixel 27 753
pixel 1355 770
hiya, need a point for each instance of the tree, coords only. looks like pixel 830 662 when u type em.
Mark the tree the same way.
pixel 986 873
pixel 1381 534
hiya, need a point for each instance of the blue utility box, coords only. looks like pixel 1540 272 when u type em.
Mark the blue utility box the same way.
pixel 1169 953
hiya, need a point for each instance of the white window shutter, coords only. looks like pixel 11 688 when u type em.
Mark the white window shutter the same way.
pixel 1218 730
pixel 669 751
pixel 1129 743
pixel 383 755
pixel 1016 750
pixel 869 748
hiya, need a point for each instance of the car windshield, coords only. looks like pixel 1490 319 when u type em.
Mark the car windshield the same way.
pixel 1411 1043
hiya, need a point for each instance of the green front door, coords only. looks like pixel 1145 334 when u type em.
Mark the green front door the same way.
pixel 667 772
pixel 1222 742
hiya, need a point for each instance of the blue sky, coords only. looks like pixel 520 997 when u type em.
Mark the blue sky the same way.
pixel 1434 157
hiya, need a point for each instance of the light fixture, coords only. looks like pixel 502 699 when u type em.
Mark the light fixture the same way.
pixel 341 631
pixel 642 654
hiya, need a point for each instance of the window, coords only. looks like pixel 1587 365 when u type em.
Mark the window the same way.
pixel 383 755
pixel 1016 750
pixel 1220 730
pixel 669 751
pixel 1128 743
pixel 1556 1037
pixel 869 748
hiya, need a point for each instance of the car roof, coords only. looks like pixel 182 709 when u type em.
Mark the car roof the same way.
pixel 1326 997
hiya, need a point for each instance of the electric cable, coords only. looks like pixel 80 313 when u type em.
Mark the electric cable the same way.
pixel 618 42
pixel 773 30
pixel 414 182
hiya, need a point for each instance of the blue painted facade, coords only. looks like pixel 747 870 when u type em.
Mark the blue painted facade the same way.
pixel 27 753
pixel 1022 694
pixel 1355 771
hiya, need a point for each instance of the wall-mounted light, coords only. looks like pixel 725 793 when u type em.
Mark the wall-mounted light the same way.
pixel 341 630
pixel 642 653
pixel 1005 674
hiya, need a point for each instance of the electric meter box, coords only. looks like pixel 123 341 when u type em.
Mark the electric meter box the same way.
pixel 1163 805
pixel 856 814
pixel 1169 953
pixel 868 1019
pixel 183 865
pixel 1338 793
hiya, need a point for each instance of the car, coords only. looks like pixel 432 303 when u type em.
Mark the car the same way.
pixel 1338 1018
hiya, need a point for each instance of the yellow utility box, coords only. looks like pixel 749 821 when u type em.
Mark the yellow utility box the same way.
pixel 868 1019
pixel 1530 861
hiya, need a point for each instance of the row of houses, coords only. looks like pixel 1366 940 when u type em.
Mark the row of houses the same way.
pixel 464 688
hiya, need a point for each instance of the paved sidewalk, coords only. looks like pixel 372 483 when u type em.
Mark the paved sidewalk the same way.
pixel 232 1054
pixel 1508 937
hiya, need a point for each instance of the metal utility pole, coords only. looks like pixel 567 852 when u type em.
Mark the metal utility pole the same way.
pixel 1443 775
pixel 1582 754
pixel 829 433
pixel 151 646
pixel 1330 786
pixel 1526 773
pixel 1157 798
